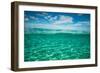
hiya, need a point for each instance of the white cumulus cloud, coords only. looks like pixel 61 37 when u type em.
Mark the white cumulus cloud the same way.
pixel 64 19
pixel 26 19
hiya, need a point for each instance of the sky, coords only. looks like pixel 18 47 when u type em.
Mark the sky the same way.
pixel 57 20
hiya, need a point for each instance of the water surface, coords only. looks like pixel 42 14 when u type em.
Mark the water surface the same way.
pixel 60 46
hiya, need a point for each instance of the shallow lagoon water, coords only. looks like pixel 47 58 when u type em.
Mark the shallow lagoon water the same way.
pixel 60 46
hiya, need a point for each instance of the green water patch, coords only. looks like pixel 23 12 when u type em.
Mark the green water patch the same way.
pixel 45 47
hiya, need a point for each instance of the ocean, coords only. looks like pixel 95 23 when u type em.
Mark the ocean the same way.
pixel 59 46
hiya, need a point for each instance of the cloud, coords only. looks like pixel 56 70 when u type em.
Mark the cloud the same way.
pixel 80 14
pixel 53 19
pixel 64 19
pixel 58 22
pixel 82 24
pixel 47 26
pixel 58 19
pixel 42 14
pixel 48 17
pixel 26 19
pixel 32 17
pixel 79 26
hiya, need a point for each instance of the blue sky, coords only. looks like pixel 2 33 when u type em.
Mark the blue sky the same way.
pixel 57 20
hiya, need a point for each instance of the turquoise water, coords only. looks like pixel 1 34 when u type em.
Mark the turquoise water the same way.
pixel 60 46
